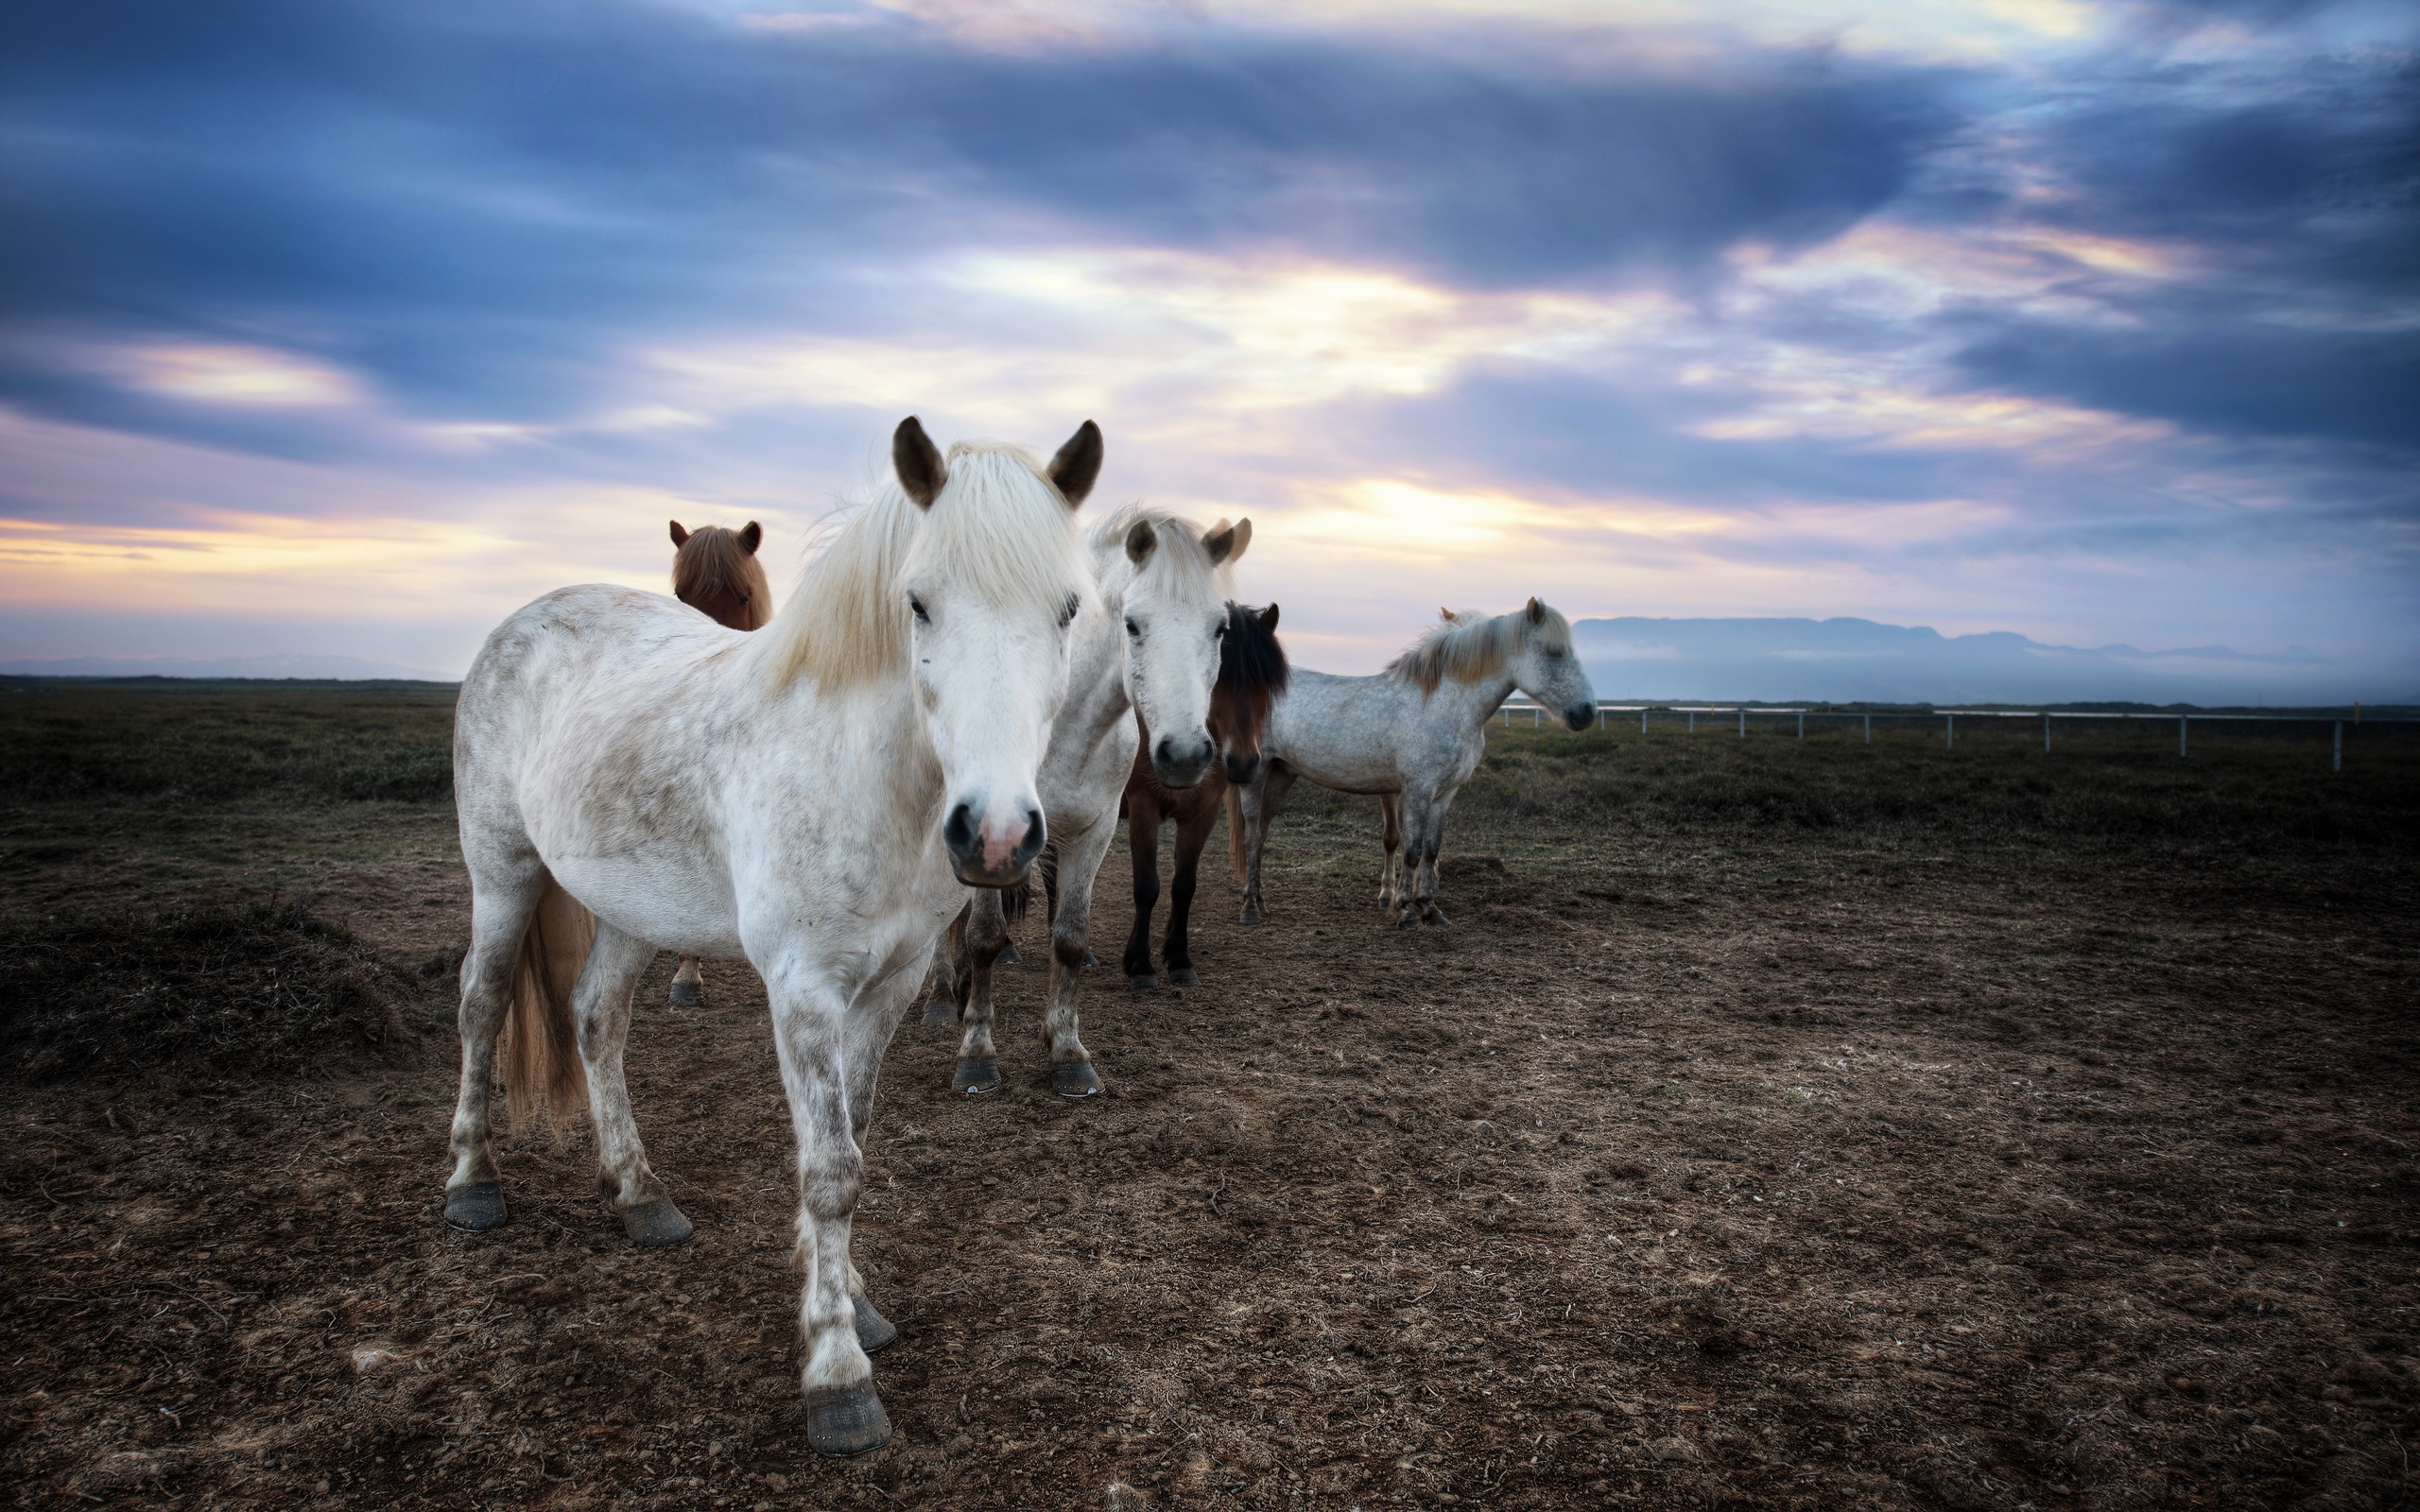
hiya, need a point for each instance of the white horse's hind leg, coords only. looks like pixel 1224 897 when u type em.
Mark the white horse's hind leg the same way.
pixel 1263 797
pixel 503 896
pixel 821 1057
pixel 987 934
pixel 689 984
pixel 601 1005
pixel 1071 1064
pixel 1390 835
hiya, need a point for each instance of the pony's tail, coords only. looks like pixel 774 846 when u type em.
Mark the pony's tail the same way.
pixel 1235 835
pixel 541 1048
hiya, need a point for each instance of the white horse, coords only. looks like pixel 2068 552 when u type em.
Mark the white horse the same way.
pixel 812 798
pixel 1151 651
pixel 1412 735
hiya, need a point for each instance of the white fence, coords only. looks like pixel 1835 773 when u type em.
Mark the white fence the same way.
pixel 1949 718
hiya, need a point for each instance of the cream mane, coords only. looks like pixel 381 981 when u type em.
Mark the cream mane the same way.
pixel 997 527
pixel 1473 647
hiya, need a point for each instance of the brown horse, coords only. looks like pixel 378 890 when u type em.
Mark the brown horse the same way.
pixel 1252 672
pixel 716 572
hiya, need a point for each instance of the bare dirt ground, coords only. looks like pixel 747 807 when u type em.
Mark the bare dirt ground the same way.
pixel 1753 1171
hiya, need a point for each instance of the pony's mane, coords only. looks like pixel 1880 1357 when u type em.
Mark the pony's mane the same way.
pixel 1249 657
pixel 710 564
pixel 1180 555
pixel 1472 647
pixel 997 526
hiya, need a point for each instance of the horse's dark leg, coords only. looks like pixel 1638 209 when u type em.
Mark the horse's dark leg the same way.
pixel 944 1009
pixel 1390 835
pixel 1143 839
pixel 1071 1064
pixel 602 1008
pixel 1417 809
pixel 1433 841
pixel 1195 820
pixel 987 932
pixel 503 899
pixel 1262 798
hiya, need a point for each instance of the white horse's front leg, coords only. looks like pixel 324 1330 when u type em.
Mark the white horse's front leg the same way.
pixel 601 1006
pixel 689 984
pixel 1390 835
pixel 868 1038
pixel 1422 901
pixel 812 1032
pixel 987 934
pixel 1071 1064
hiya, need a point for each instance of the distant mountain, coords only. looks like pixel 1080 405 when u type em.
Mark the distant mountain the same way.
pixel 1844 661
pixel 339 668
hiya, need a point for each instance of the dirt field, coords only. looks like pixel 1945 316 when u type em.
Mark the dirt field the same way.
pixel 1906 1164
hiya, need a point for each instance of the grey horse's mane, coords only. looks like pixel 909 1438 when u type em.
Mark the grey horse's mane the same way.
pixel 1471 646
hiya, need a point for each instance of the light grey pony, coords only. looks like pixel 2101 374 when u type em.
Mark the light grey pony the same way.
pixel 827 789
pixel 1150 652
pixel 1412 734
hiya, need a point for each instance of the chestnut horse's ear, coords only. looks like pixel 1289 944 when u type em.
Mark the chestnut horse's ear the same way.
pixel 751 537
pixel 1268 618
pixel 1537 612
pixel 918 462
pixel 1140 542
pixel 1227 543
pixel 680 537
pixel 1076 467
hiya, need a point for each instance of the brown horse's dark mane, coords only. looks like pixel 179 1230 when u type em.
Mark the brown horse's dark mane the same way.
pixel 717 572
pixel 1252 671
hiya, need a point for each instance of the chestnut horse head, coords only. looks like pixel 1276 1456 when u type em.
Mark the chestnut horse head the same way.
pixel 1251 673
pixel 715 573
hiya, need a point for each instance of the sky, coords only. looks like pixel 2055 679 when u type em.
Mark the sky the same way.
pixel 337 327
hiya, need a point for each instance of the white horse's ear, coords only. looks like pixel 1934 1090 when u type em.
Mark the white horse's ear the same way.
pixel 1140 540
pixel 1444 613
pixel 1268 618
pixel 751 537
pixel 918 462
pixel 1076 467
pixel 1537 612
pixel 1227 543
pixel 680 537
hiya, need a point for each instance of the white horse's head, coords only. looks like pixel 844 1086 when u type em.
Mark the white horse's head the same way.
pixel 1169 582
pixel 990 585
pixel 1547 669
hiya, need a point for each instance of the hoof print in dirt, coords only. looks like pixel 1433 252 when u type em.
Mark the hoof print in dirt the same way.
pixel 875 1331
pixel 656 1225
pixel 845 1420
pixel 688 995
pixel 1075 1079
pixel 976 1076
pixel 476 1209
pixel 941 1013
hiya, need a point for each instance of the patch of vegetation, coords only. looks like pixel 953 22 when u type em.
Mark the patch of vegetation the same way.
pixel 267 989
pixel 215 743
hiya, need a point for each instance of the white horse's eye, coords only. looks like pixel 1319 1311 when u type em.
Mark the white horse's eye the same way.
pixel 918 604
pixel 1218 634
pixel 1067 610
pixel 1133 629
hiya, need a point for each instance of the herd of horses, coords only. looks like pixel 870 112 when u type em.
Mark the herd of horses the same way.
pixel 965 691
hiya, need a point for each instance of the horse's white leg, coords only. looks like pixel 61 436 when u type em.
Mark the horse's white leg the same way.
pixel 868 1033
pixel 503 896
pixel 1425 876
pixel 601 1006
pixel 689 984
pixel 987 934
pixel 1390 835
pixel 1263 797
pixel 1071 1064
pixel 1419 810
pixel 820 1050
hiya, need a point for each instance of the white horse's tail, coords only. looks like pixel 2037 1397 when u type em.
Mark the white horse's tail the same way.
pixel 1235 835
pixel 541 1048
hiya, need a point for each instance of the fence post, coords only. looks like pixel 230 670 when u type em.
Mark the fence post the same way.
pixel 2045 732
pixel 2180 734
pixel 1801 724
pixel 1743 724
pixel 1693 721
pixel 1869 730
pixel 1642 721
pixel 1949 734
pixel 2340 747
pixel 1537 716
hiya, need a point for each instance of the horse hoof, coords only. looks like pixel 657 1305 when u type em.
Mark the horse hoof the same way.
pixel 1184 979
pixel 476 1207
pixel 1409 920
pixel 1091 960
pixel 941 1013
pixel 1250 915
pixel 656 1225
pixel 1433 917
pixel 875 1331
pixel 688 995
pixel 844 1420
pixel 1141 984
pixel 976 1076
pixel 1075 1079
pixel 1009 956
